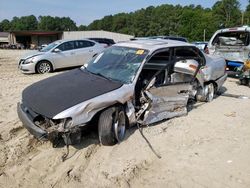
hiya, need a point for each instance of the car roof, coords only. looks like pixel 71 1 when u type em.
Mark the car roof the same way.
pixel 153 44
pixel 243 28
pixel 68 40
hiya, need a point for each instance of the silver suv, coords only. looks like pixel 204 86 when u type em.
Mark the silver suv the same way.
pixel 60 54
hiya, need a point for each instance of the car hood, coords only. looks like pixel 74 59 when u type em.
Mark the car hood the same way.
pixel 32 54
pixel 58 93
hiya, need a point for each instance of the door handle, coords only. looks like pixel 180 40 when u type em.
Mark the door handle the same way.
pixel 90 50
pixel 72 53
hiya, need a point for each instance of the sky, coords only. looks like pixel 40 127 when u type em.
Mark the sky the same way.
pixel 84 12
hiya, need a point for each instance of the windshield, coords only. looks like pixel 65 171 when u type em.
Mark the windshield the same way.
pixel 117 63
pixel 49 47
pixel 233 38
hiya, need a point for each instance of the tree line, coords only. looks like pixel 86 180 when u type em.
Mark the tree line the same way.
pixel 187 21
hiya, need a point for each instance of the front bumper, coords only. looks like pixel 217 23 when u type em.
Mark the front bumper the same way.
pixel 27 68
pixel 29 125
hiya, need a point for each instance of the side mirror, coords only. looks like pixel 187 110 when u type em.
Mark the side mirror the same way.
pixel 57 50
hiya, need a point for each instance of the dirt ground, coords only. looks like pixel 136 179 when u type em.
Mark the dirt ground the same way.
pixel 210 147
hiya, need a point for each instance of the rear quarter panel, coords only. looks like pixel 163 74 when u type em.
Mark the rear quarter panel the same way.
pixel 215 67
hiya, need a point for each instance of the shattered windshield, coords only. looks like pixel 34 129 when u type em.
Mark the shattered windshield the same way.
pixel 232 38
pixel 117 63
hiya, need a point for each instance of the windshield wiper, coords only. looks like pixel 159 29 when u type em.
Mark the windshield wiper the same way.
pixel 101 75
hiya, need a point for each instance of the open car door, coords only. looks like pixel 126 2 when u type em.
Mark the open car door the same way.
pixel 166 102
pixel 169 99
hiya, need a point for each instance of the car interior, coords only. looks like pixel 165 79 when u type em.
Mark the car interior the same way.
pixel 162 66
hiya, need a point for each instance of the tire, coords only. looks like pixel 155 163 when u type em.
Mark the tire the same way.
pixel 110 122
pixel 44 67
pixel 211 92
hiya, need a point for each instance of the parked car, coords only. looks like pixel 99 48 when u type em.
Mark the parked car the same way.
pixel 105 41
pixel 142 81
pixel 201 45
pixel 60 54
pixel 232 44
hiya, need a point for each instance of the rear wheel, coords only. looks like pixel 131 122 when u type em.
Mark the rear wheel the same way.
pixel 44 67
pixel 112 126
pixel 206 93
pixel 210 93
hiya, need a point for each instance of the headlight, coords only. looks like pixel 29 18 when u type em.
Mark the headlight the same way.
pixel 29 60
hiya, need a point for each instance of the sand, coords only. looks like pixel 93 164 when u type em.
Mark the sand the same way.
pixel 210 147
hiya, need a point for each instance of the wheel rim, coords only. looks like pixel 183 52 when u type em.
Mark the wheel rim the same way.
pixel 210 92
pixel 44 68
pixel 120 126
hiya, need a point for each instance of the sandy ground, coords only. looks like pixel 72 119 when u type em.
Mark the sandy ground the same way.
pixel 210 147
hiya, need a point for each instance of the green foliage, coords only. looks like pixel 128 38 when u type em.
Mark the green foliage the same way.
pixel 82 28
pixel 24 23
pixel 227 12
pixel 187 21
pixel 48 23
pixel 5 25
pixel 44 23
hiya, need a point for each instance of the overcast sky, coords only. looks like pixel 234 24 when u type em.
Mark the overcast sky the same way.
pixel 84 12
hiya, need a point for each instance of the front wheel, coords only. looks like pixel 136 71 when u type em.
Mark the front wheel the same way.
pixel 44 67
pixel 112 126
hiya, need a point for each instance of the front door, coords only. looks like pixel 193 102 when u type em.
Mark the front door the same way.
pixel 66 56
pixel 166 95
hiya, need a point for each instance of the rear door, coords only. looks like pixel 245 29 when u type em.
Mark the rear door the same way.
pixel 85 50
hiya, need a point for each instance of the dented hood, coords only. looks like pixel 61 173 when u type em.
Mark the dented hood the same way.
pixel 58 93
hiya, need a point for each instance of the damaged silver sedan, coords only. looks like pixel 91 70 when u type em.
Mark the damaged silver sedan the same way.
pixel 135 82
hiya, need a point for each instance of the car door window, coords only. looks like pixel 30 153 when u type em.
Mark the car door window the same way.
pixel 184 53
pixel 67 46
pixel 83 44
pixel 158 65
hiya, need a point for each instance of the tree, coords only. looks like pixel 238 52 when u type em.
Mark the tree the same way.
pixel 24 23
pixel 227 12
pixel 5 25
pixel 82 28
pixel 49 23
pixel 247 14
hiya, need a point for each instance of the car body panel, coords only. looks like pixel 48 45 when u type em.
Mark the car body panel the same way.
pixel 60 59
pixel 63 91
pixel 161 102
pixel 166 102
pixel 228 47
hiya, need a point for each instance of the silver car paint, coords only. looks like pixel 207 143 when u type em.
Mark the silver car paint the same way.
pixel 231 53
pixel 63 59
pixel 85 111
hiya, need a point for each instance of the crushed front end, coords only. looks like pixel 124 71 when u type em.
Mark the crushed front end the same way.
pixel 44 128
